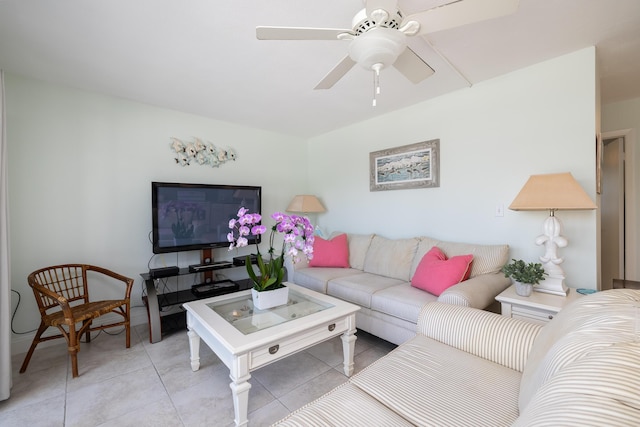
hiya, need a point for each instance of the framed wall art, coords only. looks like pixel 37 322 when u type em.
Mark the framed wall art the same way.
pixel 409 166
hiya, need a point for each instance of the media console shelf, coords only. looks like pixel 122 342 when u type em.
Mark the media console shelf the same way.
pixel 155 301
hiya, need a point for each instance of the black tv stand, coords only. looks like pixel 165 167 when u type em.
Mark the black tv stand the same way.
pixel 155 302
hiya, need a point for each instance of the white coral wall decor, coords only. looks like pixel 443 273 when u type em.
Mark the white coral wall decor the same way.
pixel 200 152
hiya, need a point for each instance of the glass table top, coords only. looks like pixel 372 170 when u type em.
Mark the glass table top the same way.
pixel 240 313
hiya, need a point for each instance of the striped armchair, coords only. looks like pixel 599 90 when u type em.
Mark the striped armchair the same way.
pixel 470 367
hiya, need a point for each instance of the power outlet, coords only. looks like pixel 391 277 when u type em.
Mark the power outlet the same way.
pixel 499 210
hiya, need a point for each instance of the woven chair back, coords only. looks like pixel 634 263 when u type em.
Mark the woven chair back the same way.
pixel 68 281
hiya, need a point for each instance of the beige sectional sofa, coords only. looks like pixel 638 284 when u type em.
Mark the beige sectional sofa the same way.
pixel 379 276
pixel 468 367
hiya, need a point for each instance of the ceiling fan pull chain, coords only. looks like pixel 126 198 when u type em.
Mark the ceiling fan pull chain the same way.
pixel 376 81
pixel 375 89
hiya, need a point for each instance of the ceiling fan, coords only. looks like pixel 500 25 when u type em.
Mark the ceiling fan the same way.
pixel 378 37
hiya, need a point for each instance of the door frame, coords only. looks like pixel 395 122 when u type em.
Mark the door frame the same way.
pixel 632 270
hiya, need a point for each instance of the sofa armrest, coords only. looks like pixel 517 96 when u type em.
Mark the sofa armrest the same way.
pixel 477 292
pixel 497 338
pixel 293 266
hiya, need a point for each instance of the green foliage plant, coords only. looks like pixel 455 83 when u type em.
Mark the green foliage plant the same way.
pixel 522 272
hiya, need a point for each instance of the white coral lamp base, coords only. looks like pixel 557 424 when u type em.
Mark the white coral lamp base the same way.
pixel 552 240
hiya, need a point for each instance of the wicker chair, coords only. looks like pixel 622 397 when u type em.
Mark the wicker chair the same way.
pixel 62 294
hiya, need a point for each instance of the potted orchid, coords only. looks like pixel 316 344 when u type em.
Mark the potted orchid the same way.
pixel 298 238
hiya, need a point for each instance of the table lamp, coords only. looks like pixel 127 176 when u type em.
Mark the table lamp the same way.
pixel 306 204
pixel 552 192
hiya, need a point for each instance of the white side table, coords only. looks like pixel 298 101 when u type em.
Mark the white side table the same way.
pixel 538 308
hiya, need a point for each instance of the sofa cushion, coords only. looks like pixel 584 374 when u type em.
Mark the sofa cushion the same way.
pixel 402 301
pixel 391 258
pixel 330 253
pixel 424 245
pixel 487 259
pixel 359 288
pixel 432 384
pixel 316 278
pixel 346 405
pixel 435 273
pixel 589 324
pixel 358 247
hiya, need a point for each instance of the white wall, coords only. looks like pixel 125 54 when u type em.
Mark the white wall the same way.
pixel 80 168
pixel 81 165
pixel 625 116
pixel 492 137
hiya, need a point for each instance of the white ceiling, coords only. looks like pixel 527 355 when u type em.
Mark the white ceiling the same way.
pixel 202 56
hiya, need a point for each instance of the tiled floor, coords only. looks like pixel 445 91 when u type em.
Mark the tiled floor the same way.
pixel 153 385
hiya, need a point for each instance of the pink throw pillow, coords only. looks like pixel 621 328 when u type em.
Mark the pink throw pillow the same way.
pixel 436 273
pixel 330 253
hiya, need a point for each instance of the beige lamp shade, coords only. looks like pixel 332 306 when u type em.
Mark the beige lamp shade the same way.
pixel 305 203
pixel 556 191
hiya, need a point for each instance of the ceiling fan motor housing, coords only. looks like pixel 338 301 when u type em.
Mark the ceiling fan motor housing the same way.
pixel 377 46
pixel 362 23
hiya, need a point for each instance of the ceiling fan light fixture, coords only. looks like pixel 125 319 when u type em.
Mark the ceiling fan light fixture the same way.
pixel 377 46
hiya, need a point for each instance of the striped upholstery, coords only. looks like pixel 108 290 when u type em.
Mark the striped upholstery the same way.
pixel 488 335
pixel 346 405
pixel 478 292
pixel 431 385
pixel 466 367
pixel 587 326
pixel 600 389
pixel 486 258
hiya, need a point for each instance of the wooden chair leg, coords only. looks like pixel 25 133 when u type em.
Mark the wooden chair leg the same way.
pixel 34 343
pixel 127 327
pixel 73 347
pixel 87 335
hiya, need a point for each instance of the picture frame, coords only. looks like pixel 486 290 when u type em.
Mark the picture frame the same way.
pixel 405 167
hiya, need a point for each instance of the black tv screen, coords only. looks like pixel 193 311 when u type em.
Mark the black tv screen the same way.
pixel 189 217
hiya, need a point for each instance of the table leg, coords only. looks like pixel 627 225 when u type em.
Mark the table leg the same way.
pixel 348 349
pixel 240 388
pixel 194 348
pixel 153 310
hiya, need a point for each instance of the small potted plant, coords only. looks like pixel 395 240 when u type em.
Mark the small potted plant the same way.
pixel 524 275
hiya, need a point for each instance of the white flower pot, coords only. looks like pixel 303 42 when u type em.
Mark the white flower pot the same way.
pixel 523 289
pixel 268 299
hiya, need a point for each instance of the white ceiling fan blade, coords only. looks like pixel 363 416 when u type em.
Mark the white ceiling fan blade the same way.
pixel 391 6
pixel 298 33
pixel 412 66
pixel 461 12
pixel 336 74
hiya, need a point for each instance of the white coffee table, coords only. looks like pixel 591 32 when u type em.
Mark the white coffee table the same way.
pixel 246 339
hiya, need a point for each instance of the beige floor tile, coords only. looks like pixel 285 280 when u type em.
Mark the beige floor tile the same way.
pixel 45 413
pixel 288 373
pixel 312 389
pixel 160 413
pixel 268 414
pixel 97 403
pixel 207 403
pixel 153 385
pixel 36 386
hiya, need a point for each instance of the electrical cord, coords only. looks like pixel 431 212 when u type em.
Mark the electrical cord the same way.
pixel 14 315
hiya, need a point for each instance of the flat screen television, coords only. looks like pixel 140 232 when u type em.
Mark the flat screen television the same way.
pixel 187 217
